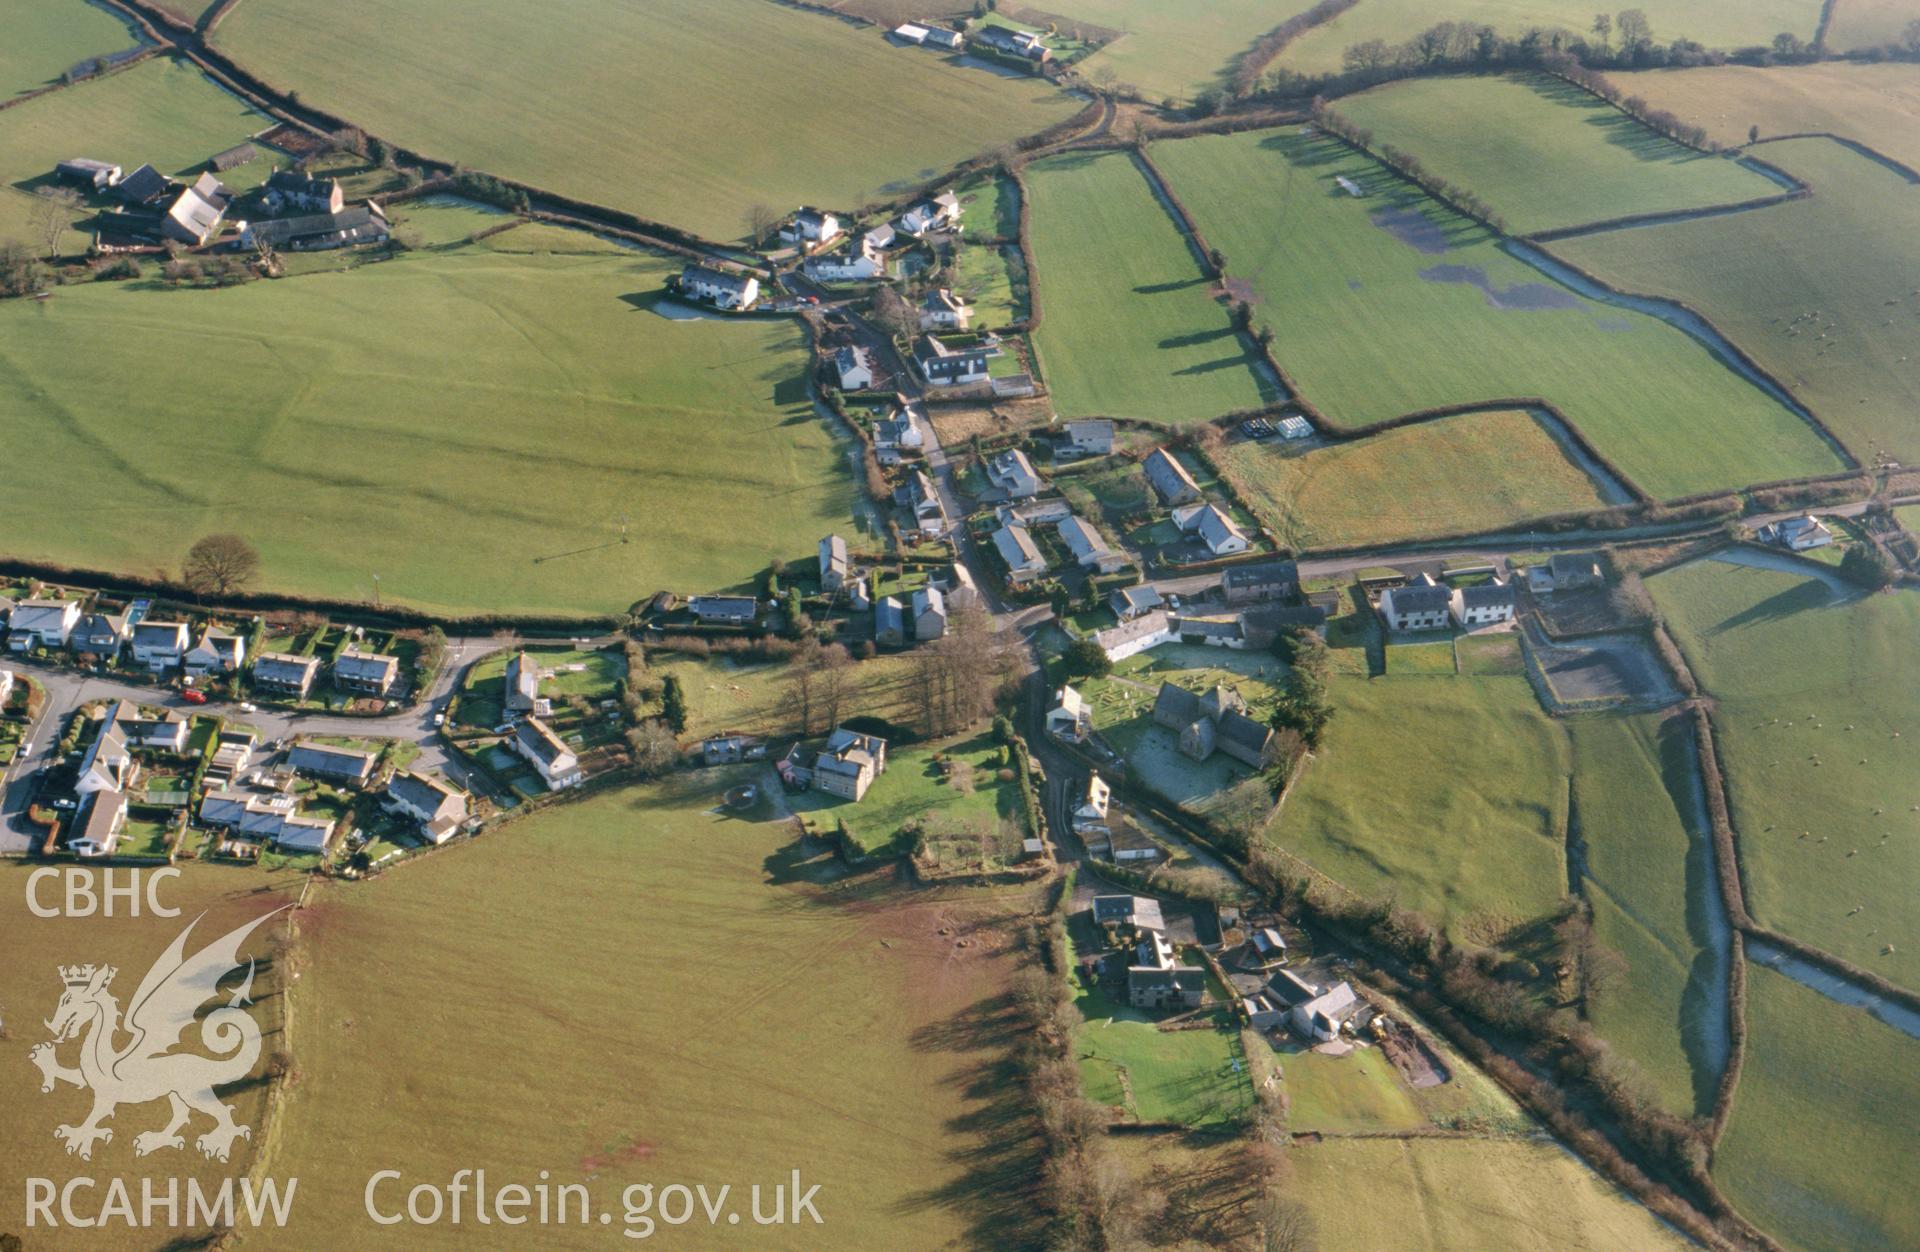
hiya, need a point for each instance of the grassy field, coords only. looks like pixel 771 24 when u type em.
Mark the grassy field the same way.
pixel 1363 1092
pixel 1398 800
pixel 1878 105
pixel 158 113
pixel 758 697
pixel 44 40
pixel 1818 738
pixel 916 796
pixel 1819 290
pixel 344 449
pixel 1167 51
pixel 558 96
pixel 1546 154
pixel 1478 471
pixel 30 987
pixel 1868 23
pixel 1129 327
pixel 889 1091
pixel 1822 1134
pixel 994 282
pixel 1648 868
pixel 1414 307
pixel 1465 1195
pixel 1715 23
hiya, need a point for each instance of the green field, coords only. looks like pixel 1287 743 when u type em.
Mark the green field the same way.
pixel 662 109
pixel 994 282
pixel 44 40
pixel 1402 800
pixel 916 797
pixel 1475 472
pixel 1129 326
pixel 1822 1135
pixel 159 113
pixel 1649 871
pixel 725 694
pixel 1819 290
pixel 1467 1195
pixel 1166 50
pixel 1364 1092
pixel 1869 23
pixel 1816 726
pixel 468 427
pixel 1716 23
pixel 494 979
pixel 1414 307
pixel 1544 153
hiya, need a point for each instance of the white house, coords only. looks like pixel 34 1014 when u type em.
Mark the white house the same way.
pixel 854 366
pixel 1012 473
pixel 835 564
pixel 196 212
pixel 1212 527
pixel 1420 605
pixel 1321 1017
pixel 928 610
pixel 719 288
pixel 895 436
pixel 108 763
pixel 1149 630
pixel 438 807
pixel 942 310
pixel 6 686
pixel 555 762
pixel 1093 437
pixel 159 645
pixel 941 37
pixel 1070 718
pixel 1484 604
pixel 945 366
pixel 42 624
pixel 1017 549
pixel 1090 813
pixel 937 213
pixel 106 818
pixel 858 262
pixel 812 228
pixel 1802 533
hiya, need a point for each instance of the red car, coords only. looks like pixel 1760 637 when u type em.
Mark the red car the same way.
pixel 190 696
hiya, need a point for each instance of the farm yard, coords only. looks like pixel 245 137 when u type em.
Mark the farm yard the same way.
pixel 45 40
pixel 1821 290
pixel 1472 472
pixel 1416 308
pixel 1816 728
pixel 346 450
pixel 475 82
pixel 1129 325
pixel 1546 154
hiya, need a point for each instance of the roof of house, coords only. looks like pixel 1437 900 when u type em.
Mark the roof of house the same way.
pixel 932 348
pixel 716 277
pixel 1167 475
pixel 353 663
pixel 1139 598
pixel 833 553
pixel 929 600
pixel 329 759
pixel 1013 464
pixel 942 300
pixel 1175 977
pixel 301 183
pixel 284 665
pixel 114 624
pixel 1487 595
pixel 1082 539
pixel 424 791
pixel 42 614
pixel 105 810
pixel 108 748
pixel 1017 547
pixel 1424 596
pixel 1573 565
pixel 1095 431
pixel 1216 528
pixel 725 606
pixel 1333 1005
pixel 284 230
pixel 1068 700
pixel 151 633
pixel 1151 623
pixel 539 739
pixel 1142 911
pixel 815 218
pixel 220 640
pixel 1264 574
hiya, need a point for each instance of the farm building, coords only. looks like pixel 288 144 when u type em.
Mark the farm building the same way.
pixel 908 32
pixel 1089 546
pixel 365 672
pixel 317 232
pixel 1214 720
pixel 717 287
pixel 549 755
pixel 144 186
pixel 1259 584
pixel 233 158
pixel 725 610
pixel 941 37
pixel 943 366
pixel 1021 554
pixel 42 624
pixel 1149 630
pixel 1006 41
pixel 1069 717
pixel 1212 527
pixel 285 674
pixel 1128 916
pixel 349 765
pixel 1420 605
pixel 1012 473
pixel 942 310
pixel 89 173
pixel 1169 478
pixel 1295 428
pixel 1349 186
pixel 292 190
pixel 1484 604
pixel 196 213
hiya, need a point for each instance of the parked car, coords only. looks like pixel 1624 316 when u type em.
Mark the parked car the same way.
pixel 64 803
pixel 439 719
pixel 26 750
pixel 249 708
pixel 190 696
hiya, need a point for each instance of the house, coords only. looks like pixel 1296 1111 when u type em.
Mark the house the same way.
pixel 1567 571
pixel 835 566
pixel 438 807
pixel 858 262
pixel 927 216
pixel 1321 1017
pixel 1008 42
pixel 320 760
pixel 106 818
pixel 316 232
pixel 522 684
pixel 941 37
pixel 1215 720
pixel 233 158
pixel 1259 584
pixel 927 611
pixel 958 583
pixel 1090 811
pixel 943 366
pixel 1126 844
pixel 144 186
pixel 881 237
pixel 1483 604
pixel 1169 478
pixel 1801 533
pixel 87 172
pixel 1295 428
pixel 1017 549
pixel 1262 624
pixel 269 815
pixel 1032 513
pixel 730 749
pixel 1420 605
pixel 845 767
pixel 811 228
pixel 290 190
pixel 1012 473
pixel 219 651
pixel 725 610
pixel 1128 915
pixel 159 645
pixel 1090 438
pixel 285 674
pixel 942 310
pixel 1128 603
pixel 1070 717
pixel 196 213
pixel 919 496
pixel 889 622
pixel 1089 546
pixel 907 32
pixel 166 731
pixel 365 672
pixel 895 436
pixel 102 634
pixel 718 288
pixel 1156 981
pixel 42 624
pixel 1215 630
pixel 6 686
pixel 1212 527
pixel 107 764
pixel 1130 638
pixel 548 754
pixel 853 364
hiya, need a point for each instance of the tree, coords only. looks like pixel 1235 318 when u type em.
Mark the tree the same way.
pixel 673 704
pixel 892 314
pixel 1753 134
pixel 1305 706
pixel 761 219
pixel 1636 32
pixel 801 669
pixel 835 671
pixel 19 269
pixel 1603 30
pixel 220 565
pixel 1285 1224
pixel 52 213
pixel 655 750
pixel 1086 659
pixel 1868 566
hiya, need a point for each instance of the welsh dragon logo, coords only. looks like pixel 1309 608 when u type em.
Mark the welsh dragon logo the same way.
pixel 146 1068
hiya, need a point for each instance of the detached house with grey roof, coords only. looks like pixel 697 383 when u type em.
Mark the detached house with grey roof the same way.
pixel 1170 479
pixel 549 755
pixel 101 634
pixel 220 651
pixel 1022 556
pixel 718 287
pixel 159 645
pixel 285 674
pixel 436 806
pixel 522 684
pixel 41 624
pixel 945 366
pixel 367 673
pixel 1012 473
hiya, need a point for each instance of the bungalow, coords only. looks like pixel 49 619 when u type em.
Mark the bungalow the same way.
pixel 1070 717
pixel 1484 603
pixel 288 190
pixel 106 818
pixel 219 651
pixel 853 365
pixel 858 262
pixel 880 238
pixel 1801 533
pixel 1214 630
pixel 927 611
pixel 1034 513
pixel 316 232
pixel 102 634
pixel 919 496
pixel 942 310
pixel 319 760
pixel 108 762
pixel 935 213
pixel 285 674
pixel 718 288
pixel 943 366
pixel 166 732
pixel 1213 528
pixel 1258 584
pixel 1089 438
pixel 266 815
pixel 1170 478
pixel 145 186
pixel 438 807
pixel 1012 473
pixel 522 684
pixel 1566 571
pixel 87 172
pixel 42 624
pixel 835 566
pixel 731 749
pixel 1215 720
pixel 811 228
pixel 1128 603
pixel 365 672
pixel 1420 605
pixel 1089 546
pixel 548 754
pixel 1321 1017
pixel 725 610
pixel 159 645
pixel 1017 549
pixel 941 37
pixel 1128 915
pixel 1130 638
pixel 196 213
pixel 846 767
pixel 1009 42
pixel 1090 812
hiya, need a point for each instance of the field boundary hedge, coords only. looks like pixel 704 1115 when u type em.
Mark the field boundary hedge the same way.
pixel 140 56
pixel 1630 220
pixel 1864 149
pixel 1249 65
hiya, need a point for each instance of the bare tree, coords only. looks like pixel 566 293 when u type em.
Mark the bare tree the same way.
pixel 894 315
pixel 52 214
pixel 219 565
pixel 1602 29
pixel 761 219
pixel 655 751
pixel 801 671
pixel 1286 1225
pixel 834 673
